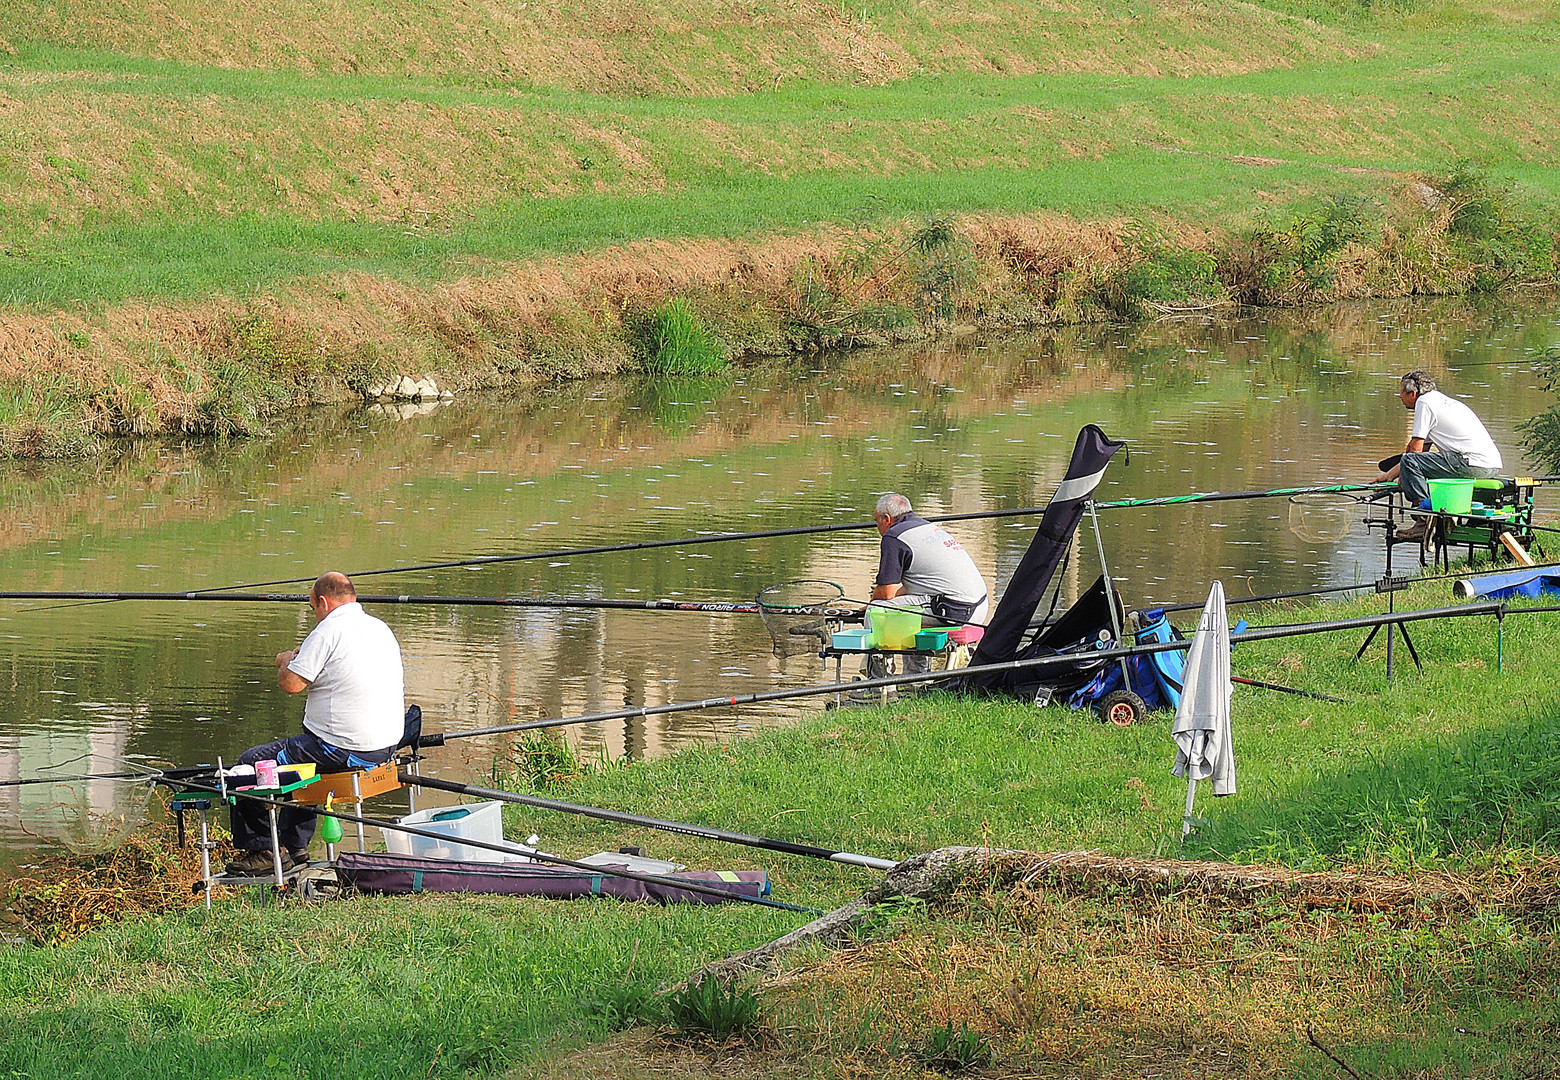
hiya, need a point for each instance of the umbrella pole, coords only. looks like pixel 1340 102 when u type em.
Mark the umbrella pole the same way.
pixel 1186 818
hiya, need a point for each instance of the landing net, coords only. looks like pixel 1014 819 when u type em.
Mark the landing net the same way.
pixel 797 614
pixel 1322 517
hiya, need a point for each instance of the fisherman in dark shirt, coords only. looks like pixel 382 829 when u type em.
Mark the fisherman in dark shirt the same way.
pixel 922 567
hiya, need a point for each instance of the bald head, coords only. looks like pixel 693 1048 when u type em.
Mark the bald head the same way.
pixel 334 587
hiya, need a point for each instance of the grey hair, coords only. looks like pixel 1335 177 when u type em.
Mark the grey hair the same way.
pixel 1418 382
pixel 893 505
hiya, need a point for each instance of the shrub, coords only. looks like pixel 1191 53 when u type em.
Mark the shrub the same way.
pixel 1541 433
pixel 681 344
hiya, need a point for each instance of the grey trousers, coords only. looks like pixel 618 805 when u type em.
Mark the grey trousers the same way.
pixel 1434 465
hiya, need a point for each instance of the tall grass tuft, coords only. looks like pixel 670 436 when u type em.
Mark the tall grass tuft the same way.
pixel 681 344
pixel 713 1007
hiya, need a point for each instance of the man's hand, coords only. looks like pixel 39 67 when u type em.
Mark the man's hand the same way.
pixel 286 678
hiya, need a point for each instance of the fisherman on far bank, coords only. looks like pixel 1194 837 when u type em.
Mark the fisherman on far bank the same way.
pixel 1462 446
pixel 921 566
pixel 353 718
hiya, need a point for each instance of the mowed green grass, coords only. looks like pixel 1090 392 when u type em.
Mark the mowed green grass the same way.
pixel 1455 767
pixel 166 168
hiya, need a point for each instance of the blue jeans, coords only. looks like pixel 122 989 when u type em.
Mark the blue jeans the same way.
pixel 1416 469
pixel 294 828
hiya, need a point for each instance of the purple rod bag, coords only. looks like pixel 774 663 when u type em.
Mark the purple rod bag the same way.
pixel 390 874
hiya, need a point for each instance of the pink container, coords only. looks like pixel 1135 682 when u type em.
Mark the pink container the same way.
pixel 966 635
pixel 265 773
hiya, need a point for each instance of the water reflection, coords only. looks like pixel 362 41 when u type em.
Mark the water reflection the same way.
pixel 963 425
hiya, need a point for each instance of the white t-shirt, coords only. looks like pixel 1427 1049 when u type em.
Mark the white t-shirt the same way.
pixel 353 665
pixel 1451 425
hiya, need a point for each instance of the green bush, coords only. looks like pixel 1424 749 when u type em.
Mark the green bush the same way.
pixel 1168 275
pixel 1541 433
pixel 681 344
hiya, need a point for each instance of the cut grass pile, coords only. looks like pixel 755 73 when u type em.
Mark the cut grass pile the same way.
pixel 1443 778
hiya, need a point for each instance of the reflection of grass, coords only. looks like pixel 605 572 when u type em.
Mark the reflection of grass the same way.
pixel 676 403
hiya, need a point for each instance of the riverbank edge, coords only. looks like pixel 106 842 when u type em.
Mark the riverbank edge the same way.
pixel 69 382
pixel 1435 777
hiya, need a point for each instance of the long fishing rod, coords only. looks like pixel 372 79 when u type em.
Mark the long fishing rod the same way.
pixel 702 831
pixel 800 530
pixel 1365 586
pixel 505 849
pixel 1260 633
pixel 1230 496
pixel 642 545
pixel 717 607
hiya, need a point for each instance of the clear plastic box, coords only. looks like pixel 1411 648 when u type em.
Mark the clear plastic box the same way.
pixel 483 822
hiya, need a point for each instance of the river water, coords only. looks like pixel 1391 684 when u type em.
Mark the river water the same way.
pixel 962 424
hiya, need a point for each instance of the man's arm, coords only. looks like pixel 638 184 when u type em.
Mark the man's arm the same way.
pixel 286 678
pixel 887 592
pixel 1415 446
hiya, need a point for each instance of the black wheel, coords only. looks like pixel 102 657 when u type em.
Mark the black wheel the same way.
pixel 1122 708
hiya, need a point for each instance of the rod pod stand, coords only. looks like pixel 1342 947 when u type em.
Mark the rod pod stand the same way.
pixel 1390 585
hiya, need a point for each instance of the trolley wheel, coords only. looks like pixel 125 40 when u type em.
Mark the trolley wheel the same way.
pixel 1122 708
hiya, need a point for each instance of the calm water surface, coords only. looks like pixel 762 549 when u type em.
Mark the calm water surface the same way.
pixel 965 424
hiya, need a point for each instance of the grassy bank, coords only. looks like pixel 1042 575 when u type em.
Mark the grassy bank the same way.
pixel 1443 777
pixel 202 228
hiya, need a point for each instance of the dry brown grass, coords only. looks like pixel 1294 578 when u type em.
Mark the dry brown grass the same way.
pixel 1115 973
pixel 56 898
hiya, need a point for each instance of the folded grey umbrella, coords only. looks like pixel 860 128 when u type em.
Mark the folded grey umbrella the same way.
pixel 1204 747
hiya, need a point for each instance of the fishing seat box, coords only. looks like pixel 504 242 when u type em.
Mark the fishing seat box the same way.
pixel 375 781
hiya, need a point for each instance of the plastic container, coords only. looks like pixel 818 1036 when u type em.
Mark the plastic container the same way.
pixel 265 773
pixel 931 640
pixel 481 821
pixel 852 639
pixel 1452 496
pixel 966 635
pixel 291 774
pixel 894 628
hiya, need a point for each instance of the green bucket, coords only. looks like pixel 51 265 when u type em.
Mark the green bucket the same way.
pixel 894 628
pixel 1451 496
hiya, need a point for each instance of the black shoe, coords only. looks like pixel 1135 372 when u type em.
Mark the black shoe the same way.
pixel 295 858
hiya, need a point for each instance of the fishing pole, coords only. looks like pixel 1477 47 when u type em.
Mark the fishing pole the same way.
pixel 702 831
pixel 799 530
pixel 1285 689
pixel 1230 496
pixel 1259 633
pixel 642 545
pixel 506 849
pixel 1362 587
pixel 717 607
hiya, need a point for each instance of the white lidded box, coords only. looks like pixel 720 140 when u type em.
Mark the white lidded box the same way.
pixel 482 822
